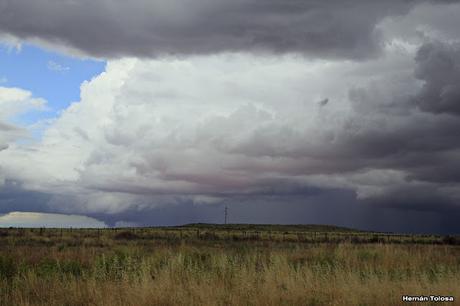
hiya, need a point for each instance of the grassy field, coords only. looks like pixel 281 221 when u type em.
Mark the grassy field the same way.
pixel 203 264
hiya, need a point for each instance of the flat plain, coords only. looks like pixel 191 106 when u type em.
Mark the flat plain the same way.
pixel 238 264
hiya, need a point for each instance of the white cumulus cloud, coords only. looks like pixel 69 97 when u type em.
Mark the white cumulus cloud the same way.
pixel 203 127
pixel 13 102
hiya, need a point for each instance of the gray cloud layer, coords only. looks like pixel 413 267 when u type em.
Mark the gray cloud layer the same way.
pixel 438 65
pixel 151 28
pixel 368 141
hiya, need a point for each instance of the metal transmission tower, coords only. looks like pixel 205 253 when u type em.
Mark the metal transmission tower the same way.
pixel 226 214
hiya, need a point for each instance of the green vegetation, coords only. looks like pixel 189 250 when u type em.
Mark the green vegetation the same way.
pixel 201 264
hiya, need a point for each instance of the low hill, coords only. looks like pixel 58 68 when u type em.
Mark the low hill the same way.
pixel 271 227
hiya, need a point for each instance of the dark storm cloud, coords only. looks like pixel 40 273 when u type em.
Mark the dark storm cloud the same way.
pixel 391 163
pixel 416 135
pixel 429 213
pixel 150 28
pixel 424 144
pixel 13 197
pixel 438 65
pixel 424 197
pixel 407 142
pixel 334 207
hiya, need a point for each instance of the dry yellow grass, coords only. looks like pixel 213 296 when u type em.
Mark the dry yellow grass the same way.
pixel 134 272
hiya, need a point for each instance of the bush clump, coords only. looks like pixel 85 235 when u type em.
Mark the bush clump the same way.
pixel 126 235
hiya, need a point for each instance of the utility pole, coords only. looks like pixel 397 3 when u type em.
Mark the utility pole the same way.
pixel 226 214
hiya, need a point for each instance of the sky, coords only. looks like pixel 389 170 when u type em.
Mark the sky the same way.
pixel 147 113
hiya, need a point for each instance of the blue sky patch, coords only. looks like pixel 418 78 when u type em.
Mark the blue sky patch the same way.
pixel 48 75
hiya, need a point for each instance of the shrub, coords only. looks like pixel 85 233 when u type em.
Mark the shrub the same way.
pixel 450 240
pixel 126 235
pixel 8 267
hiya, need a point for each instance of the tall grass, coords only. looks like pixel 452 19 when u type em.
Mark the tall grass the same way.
pixel 150 273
